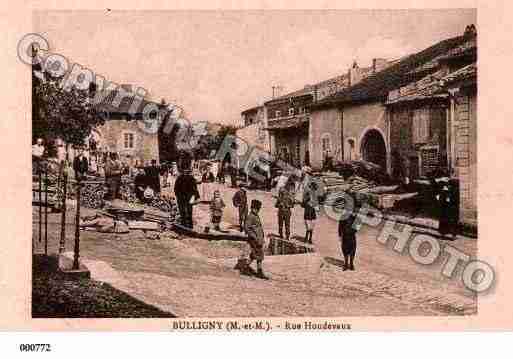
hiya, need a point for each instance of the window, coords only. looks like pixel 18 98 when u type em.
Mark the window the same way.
pixel 326 143
pixel 278 113
pixel 301 110
pixel 291 111
pixel 421 126
pixel 128 140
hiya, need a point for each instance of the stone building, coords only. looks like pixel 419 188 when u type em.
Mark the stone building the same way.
pixel 433 123
pixel 326 124
pixel 355 121
pixel 462 87
pixel 126 131
pixel 288 117
pixel 287 124
pixel 418 115
pixel 253 130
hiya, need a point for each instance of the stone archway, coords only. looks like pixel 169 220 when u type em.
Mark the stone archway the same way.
pixel 373 148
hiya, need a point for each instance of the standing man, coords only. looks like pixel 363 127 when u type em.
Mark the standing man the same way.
pixel 307 158
pixel 80 165
pixel 153 174
pixel 113 171
pixel 255 232
pixel 221 173
pixel 38 150
pixel 61 150
pixel 186 192
pixel 285 204
pixel 233 175
pixel 240 201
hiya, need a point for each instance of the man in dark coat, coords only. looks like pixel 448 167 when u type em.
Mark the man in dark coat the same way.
pixel 80 165
pixel 185 189
pixel 240 200
pixel 285 203
pixel 113 171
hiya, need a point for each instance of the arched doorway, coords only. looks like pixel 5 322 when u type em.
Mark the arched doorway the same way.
pixel 373 148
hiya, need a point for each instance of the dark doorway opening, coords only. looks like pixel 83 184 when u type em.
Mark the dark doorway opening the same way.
pixel 374 149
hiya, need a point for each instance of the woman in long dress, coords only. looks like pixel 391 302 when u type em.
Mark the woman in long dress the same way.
pixel 448 219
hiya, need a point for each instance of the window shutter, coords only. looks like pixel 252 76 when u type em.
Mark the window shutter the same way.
pixel 421 126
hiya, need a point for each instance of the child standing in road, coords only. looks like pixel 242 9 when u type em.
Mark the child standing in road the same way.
pixel 255 232
pixel 311 207
pixel 216 210
pixel 347 234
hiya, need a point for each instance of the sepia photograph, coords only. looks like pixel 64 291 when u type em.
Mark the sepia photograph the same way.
pixel 254 164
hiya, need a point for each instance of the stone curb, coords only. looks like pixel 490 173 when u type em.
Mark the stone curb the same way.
pixel 209 236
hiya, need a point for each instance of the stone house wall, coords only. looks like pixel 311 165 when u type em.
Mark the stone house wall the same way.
pixel 324 123
pixel 145 147
pixel 464 131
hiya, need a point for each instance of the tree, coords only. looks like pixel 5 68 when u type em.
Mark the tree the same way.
pixel 65 114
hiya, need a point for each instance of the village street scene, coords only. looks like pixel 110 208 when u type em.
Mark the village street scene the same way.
pixel 259 185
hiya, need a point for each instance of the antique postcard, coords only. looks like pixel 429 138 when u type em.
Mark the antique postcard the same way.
pixel 255 169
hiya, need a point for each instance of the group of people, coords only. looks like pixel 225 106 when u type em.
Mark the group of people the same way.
pixel 189 191
pixel 147 181
pixel 251 224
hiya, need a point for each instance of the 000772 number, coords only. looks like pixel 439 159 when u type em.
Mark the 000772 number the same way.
pixel 35 348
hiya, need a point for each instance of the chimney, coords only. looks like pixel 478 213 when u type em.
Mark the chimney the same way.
pixel 378 64
pixel 355 74
pixel 470 31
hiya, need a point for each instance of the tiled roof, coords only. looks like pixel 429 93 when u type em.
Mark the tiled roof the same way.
pixel 431 86
pixel 250 110
pixel 468 48
pixel 377 86
pixel 424 94
pixel 304 91
pixel 428 87
pixel 464 73
pixel 107 104
pixel 337 81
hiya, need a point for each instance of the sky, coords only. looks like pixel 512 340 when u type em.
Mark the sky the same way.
pixel 215 64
